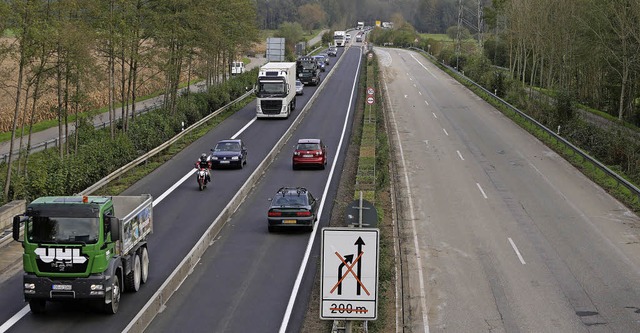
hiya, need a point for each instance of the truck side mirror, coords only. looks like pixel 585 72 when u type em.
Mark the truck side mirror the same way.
pixel 17 221
pixel 114 227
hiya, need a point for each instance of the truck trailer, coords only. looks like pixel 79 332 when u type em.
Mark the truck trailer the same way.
pixel 84 248
pixel 276 90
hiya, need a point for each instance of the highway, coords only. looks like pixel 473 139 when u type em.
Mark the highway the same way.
pixel 499 233
pixel 234 271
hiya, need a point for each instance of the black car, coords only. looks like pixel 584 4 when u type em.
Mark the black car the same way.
pixel 292 207
pixel 229 153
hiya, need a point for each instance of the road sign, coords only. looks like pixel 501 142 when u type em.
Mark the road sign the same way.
pixel 370 100
pixel 349 280
pixel 370 91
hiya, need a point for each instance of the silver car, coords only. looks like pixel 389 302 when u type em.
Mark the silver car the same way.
pixel 299 87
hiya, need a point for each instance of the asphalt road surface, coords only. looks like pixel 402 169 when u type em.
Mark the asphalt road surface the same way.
pixel 182 213
pixel 500 234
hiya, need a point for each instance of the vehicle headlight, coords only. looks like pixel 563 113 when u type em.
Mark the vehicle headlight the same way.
pixel 215 158
pixel 97 287
pixel 235 158
pixel 30 286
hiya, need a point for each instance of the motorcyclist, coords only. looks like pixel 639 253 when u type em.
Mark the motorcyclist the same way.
pixel 204 162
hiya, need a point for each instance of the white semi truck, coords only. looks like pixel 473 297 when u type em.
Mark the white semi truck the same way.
pixel 276 90
pixel 339 38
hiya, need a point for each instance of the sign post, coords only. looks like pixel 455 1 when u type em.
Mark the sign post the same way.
pixel 370 100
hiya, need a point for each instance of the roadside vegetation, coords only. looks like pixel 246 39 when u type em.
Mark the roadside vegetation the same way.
pixel 580 81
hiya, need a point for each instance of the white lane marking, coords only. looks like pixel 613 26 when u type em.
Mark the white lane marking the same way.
pixel 459 154
pixel 482 191
pixel 244 128
pixel 428 104
pixel 296 285
pixel 426 142
pixel 445 132
pixel 405 96
pixel 13 320
pixel 420 92
pixel 414 85
pixel 434 114
pixel 423 66
pixel 515 248
pixel 423 294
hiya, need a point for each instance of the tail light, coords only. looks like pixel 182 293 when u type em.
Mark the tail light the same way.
pixel 274 214
pixel 305 213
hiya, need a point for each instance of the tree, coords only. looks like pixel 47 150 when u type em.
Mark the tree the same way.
pixel 292 34
pixel 311 16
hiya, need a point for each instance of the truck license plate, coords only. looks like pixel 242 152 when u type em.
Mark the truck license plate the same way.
pixel 61 287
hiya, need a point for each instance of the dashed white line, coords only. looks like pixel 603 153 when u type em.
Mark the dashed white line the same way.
pixel 420 92
pixel 515 248
pixel 482 191
pixel 434 114
pixel 459 154
pixel 445 132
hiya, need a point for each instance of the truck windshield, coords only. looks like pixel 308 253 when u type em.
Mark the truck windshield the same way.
pixel 271 87
pixel 63 230
pixel 310 65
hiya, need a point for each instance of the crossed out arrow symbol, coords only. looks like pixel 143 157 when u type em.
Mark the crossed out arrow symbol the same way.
pixel 345 263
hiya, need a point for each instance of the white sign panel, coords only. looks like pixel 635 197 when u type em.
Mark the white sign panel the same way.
pixel 349 280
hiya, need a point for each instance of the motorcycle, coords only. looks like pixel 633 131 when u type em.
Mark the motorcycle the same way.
pixel 201 176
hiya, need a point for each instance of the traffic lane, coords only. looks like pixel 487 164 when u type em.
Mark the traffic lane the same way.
pixel 245 304
pixel 11 297
pixel 509 169
pixel 442 199
pixel 581 234
pixel 192 208
pixel 472 237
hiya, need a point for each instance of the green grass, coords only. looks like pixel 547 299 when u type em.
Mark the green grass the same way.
pixel 439 37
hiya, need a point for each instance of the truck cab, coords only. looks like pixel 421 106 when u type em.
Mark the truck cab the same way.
pixel 308 70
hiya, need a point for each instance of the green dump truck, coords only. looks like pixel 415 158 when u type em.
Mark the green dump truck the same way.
pixel 84 248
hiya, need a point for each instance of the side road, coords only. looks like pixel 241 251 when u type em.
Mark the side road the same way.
pixel 50 136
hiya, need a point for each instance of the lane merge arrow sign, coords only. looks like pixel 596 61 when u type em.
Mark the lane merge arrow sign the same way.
pixel 349 280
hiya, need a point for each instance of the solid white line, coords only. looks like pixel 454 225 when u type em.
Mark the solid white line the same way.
pixel 459 154
pixel 515 248
pixel 13 320
pixel 423 294
pixel 434 114
pixel 481 190
pixel 423 66
pixel 307 253
pixel 445 132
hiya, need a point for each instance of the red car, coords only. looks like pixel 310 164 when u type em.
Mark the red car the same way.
pixel 310 152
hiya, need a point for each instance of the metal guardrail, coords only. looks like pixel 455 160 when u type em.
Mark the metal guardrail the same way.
pixel 621 181
pixel 158 149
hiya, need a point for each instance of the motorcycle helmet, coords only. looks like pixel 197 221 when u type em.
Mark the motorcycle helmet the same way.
pixel 203 157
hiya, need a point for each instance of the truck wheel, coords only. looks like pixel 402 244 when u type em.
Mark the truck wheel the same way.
pixel 114 297
pixel 37 306
pixel 144 258
pixel 132 282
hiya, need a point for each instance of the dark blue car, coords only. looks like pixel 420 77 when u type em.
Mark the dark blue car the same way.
pixel 229 153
